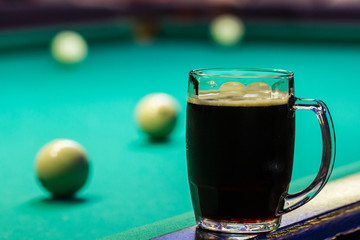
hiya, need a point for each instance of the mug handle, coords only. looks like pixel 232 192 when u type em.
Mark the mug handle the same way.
pixel 293 201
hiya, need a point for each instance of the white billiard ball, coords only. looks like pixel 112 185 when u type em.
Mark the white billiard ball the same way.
pixel 156 114
pixel 227 30
pixel 62 167
pixel 69 47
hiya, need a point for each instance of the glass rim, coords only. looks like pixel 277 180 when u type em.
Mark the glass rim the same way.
pixel 280 72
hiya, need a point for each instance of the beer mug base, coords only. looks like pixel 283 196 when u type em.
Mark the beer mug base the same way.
pixel 244 228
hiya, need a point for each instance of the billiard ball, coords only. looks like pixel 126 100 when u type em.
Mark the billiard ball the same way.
pixel 227 30
pixel 69 47
pixel 259 89
pixel 62 167
pixel 156 114
pixel 145 31
pixel 231 89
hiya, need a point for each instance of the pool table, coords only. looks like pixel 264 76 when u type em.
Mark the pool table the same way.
pixel 135 182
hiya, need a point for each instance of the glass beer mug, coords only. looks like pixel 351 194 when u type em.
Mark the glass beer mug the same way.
pixel 240 133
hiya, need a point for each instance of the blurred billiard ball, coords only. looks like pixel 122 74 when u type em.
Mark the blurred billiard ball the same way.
pixel 62 167
pixel 69 47
pixel 145 31
pixel 227 30
pixel 156 114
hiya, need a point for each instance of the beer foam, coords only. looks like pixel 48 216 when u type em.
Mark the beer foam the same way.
pixel 213 98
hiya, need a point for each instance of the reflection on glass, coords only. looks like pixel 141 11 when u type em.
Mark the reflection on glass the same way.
pixel 203 234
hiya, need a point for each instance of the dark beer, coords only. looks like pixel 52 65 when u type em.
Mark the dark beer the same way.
pixel 239 159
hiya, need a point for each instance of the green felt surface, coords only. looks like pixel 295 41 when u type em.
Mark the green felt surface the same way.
pixel 135 182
